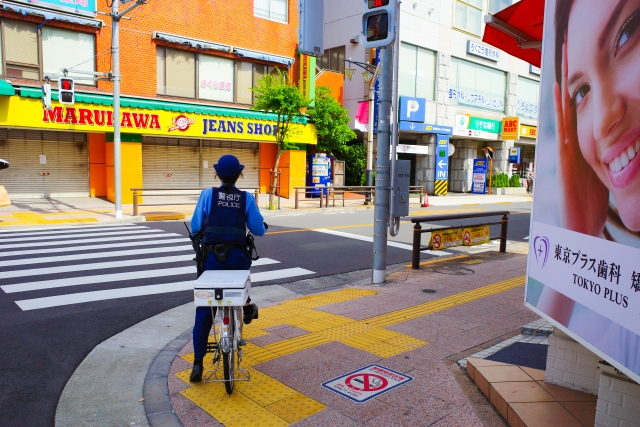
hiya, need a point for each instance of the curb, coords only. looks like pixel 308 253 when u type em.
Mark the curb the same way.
pixel 157 403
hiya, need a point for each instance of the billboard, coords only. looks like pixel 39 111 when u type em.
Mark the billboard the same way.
pixel 584 256
pixel 72 6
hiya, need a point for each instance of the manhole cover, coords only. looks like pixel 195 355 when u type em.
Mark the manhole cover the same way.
pixel 429 291
pixel 455 271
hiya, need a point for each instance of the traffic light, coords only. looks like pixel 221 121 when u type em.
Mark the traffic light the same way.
pixel 311 27
pixel 379 22
pixel 66 90
pixel 46 96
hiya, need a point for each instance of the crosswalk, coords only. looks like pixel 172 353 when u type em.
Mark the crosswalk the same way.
pixel 70 265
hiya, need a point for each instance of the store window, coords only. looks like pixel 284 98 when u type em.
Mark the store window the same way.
pixel 417 72
pixel 528 98
pixel 333 59
pixel 22 60
pixel 468 16
pixel 274 10
pixel 496 6
pixel 218 79
pixel 68 49
pixel 28 56
pixel 477 85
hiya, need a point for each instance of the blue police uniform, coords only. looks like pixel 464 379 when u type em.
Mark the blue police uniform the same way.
pixel 223 217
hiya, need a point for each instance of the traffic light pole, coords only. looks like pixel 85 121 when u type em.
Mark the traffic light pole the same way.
pixel 383 183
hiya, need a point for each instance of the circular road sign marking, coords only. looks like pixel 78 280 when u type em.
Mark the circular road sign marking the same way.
pixel 366 382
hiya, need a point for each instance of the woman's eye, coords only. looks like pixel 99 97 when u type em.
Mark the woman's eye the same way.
pixel 627 30
pixel 580 93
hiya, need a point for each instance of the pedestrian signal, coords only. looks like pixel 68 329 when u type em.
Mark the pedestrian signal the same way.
pixel 66 90
pixel 379 22
pixel 311 27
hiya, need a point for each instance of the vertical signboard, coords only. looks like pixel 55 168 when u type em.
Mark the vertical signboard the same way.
pixel 584 255
pixel 377 97
pixel 442 165
pixel 307 82
pixel 479 176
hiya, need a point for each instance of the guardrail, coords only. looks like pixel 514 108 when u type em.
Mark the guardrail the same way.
pixel 417 230
pixel 329 193
pixel 137 192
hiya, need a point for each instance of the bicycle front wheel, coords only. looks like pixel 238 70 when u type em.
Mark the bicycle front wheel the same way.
pixel 228 358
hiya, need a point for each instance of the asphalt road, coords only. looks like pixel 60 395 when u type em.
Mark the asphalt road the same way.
pixel 66 290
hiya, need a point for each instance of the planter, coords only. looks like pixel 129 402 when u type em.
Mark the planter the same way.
pixel 507 191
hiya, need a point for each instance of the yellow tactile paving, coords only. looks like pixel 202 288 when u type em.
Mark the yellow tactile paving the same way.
pixel 265 401
pixel 32 218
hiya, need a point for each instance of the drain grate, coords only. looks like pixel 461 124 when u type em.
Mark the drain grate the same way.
pixel 429 291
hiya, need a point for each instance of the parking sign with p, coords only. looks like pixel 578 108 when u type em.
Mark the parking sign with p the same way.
pixel 413 109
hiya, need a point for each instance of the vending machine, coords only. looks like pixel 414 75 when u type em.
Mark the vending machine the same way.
pixel 318 173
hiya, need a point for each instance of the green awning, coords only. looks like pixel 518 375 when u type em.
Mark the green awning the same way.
pixel 149 104
pixel 6 88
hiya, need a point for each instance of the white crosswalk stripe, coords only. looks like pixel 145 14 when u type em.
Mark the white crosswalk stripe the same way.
pixel 150 261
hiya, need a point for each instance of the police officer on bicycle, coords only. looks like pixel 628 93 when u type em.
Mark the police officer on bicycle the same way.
pixel 222 217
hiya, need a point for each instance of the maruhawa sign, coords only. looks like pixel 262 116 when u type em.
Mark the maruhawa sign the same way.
pixel 28 113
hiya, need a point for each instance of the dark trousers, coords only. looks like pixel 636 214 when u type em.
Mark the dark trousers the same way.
pixel 204 315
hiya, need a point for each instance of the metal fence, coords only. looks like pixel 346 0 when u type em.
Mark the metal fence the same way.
pixel 329 196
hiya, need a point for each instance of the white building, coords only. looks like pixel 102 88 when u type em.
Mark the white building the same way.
pixel 469 86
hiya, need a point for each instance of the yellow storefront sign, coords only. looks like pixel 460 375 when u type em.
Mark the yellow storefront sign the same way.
pixel 22 112
pixel 446 238
pixel 510 127
pixel 528 131
pixel 473 236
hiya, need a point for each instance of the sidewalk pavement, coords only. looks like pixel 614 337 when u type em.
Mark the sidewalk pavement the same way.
pixel 83 210
pixel 416 325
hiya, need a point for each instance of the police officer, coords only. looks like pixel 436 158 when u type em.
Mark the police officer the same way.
pixel 223 215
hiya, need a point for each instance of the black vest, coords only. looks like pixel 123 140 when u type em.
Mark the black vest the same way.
pixel 227 221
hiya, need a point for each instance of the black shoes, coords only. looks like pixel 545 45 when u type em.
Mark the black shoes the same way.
pixel 250 312
pixel 196 373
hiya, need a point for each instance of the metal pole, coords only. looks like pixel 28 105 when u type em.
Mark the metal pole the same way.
pixel 394 222
pixel 415 255
pixel 115 51
pixel 381 211
pixel 503 233
pixel 368 172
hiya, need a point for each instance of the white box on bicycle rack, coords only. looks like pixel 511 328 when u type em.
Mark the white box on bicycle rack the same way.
pixel 219 288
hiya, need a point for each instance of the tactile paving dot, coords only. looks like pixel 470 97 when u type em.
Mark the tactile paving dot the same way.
pixel 295 407
pixel 205 393
pixel 268 392
pixel 261 417
pixel 230 407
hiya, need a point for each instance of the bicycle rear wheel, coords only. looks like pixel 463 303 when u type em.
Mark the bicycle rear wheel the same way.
pixel 229 359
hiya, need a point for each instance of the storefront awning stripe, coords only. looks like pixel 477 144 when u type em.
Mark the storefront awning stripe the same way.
pixel 264 56
pixel 186 41
pixel 30 92
pixel 49 15
pixel 6 88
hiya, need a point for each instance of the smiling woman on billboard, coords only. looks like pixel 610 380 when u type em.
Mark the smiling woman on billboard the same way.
pixel 584 269
pixel 597 106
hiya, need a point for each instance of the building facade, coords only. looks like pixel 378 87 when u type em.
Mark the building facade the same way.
pixel 187 72
pixel 470 88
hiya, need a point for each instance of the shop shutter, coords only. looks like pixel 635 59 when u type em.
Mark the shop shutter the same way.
pixel 170 162
pixel 21 42
pixel 65 174
pixel 246 152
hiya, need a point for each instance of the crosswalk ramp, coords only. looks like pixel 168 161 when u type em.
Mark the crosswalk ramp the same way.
pixel 68 265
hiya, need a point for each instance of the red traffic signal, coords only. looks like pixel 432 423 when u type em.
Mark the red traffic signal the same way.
pixel 66 90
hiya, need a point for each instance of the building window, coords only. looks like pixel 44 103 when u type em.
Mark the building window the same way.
pixel 274 10
pixel 468 16
pixel 333 59
pixel 528 98
pixel 28 54
pixel 68 49
pixel 187 74
pixel 22 59
pixel 417 72
pixel 477 86
pixel 496 6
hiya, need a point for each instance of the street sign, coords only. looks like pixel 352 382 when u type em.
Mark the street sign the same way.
pixel 311 27
pixel 366 383
pixel 424 128
pixel 413 109
pixel 479 183
pixel 412 149
pixel 379 23
pixel 514 155
pixel 442 165
pixel 444 239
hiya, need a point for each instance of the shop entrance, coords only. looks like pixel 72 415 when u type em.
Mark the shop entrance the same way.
pixel 44 163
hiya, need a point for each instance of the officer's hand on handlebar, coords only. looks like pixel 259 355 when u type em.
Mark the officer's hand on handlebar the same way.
pixel 266 226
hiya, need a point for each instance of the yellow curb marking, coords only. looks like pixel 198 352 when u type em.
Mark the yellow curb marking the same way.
pixel 473 261
pixel 32 218
pixel 437 260
pixel 266 401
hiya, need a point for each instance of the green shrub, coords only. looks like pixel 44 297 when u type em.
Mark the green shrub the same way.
pixel 515 181
pixel 500 180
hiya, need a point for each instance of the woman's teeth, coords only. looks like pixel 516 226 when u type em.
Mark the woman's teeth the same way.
pixel 623 159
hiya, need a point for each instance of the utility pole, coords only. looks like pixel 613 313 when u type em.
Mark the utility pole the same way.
pixel 115 53
pixel 383 182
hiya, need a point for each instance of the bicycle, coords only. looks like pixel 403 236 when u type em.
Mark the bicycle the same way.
pixel 228 290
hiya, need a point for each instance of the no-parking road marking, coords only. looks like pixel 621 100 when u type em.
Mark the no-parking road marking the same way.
pixel 367 383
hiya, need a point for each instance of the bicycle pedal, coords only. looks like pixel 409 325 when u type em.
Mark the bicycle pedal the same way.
pixel 242 343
